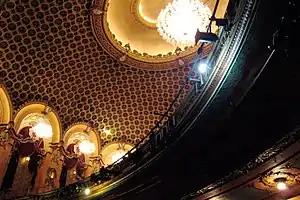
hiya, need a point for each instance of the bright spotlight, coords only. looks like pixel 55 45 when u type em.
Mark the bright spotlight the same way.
pixel 87 191
pixel 202 68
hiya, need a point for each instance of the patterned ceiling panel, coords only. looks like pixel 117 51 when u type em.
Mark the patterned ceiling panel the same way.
pixel 48 53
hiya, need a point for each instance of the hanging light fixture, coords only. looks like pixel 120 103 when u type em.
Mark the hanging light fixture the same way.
pixel 179 21
pixel 42 130
pixel 86 147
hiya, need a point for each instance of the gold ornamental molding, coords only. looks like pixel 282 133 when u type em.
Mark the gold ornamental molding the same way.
pixel 136 13
pixel 123 53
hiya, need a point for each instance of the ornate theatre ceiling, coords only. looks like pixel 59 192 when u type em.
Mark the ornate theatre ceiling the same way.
pixel 49 53
pixel 127 29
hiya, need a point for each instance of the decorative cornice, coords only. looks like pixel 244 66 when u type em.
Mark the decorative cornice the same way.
pixel 116 49
pixel 134 9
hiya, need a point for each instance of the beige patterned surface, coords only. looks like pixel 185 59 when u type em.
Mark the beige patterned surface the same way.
pixel 48 53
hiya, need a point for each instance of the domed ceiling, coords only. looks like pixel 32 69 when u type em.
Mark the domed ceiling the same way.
pixel 48 53
pixel 120 25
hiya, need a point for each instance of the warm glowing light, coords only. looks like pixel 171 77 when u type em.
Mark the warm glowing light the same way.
pixel 178 22
pixel 144 16
pixel 281 186
pixel 117 156
pixel 25 160
pixel 106 131
pixel 87 147
pixel 202 67
pixel 74 172
pixel 87 191
pixel 42 130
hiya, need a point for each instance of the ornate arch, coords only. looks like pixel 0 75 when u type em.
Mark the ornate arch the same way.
pixel 40 109
pixel 6 109
pixel 112 148
pixel 81 128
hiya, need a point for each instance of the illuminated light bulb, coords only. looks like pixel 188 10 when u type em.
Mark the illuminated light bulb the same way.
pixel 281 186
pixel 202 68
pixel 87 191
pixel 42 130
pixel 74 172
pixel 87 147
pixel 27 158
pixel 106 131
pixel 117 156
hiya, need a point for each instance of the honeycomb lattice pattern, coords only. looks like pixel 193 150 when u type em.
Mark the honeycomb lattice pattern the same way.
pixel 48 53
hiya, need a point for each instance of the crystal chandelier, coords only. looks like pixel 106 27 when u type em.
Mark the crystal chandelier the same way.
pixel 179 21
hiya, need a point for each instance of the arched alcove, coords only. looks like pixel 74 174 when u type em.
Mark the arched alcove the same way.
pixel 5 106
pixel 36 110
pixel 6 111
pixel 81 132
pixel 113 151
pixel 74 139
pixel 36 126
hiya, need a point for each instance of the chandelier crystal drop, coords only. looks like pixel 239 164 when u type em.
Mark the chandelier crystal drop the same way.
pixel 179 21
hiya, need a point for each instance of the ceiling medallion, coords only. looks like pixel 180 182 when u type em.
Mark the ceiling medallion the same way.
pixel 127 54
pixel 136 10
pixel 179 21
